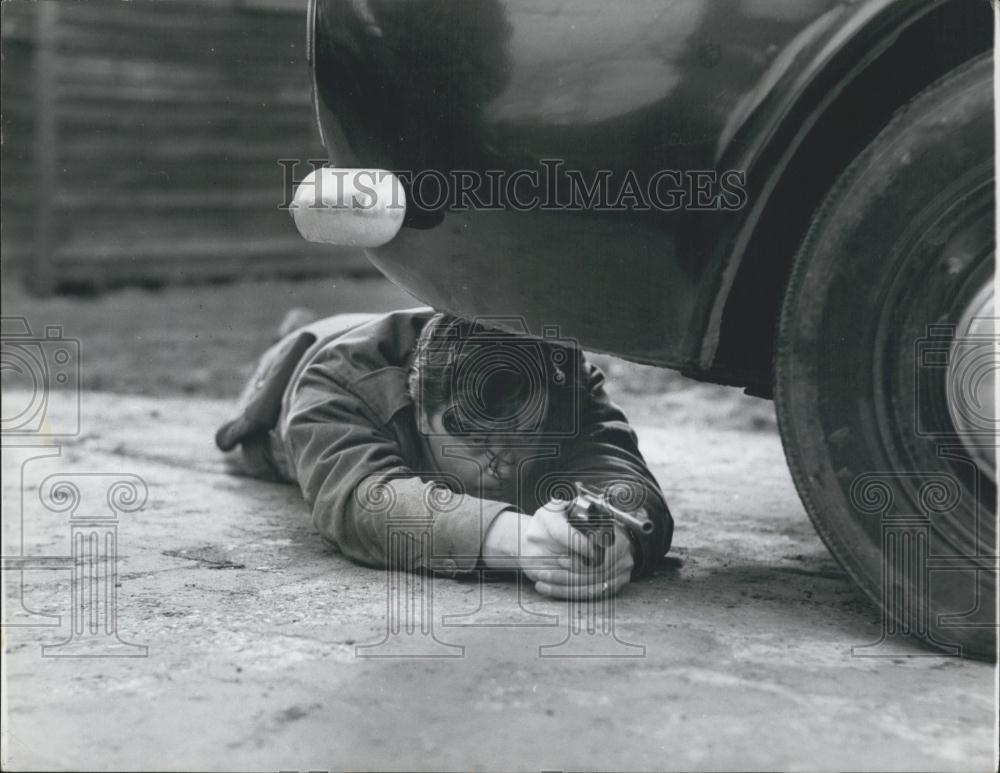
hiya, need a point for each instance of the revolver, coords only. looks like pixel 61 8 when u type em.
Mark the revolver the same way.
pixel 591 514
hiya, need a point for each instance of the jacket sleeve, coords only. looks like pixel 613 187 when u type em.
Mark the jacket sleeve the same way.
pixel 365 497
pixel 604 453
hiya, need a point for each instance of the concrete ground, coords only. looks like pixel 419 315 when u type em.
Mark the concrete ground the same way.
pixel 741 655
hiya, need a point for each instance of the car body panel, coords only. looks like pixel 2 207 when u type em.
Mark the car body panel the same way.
pixel 497 86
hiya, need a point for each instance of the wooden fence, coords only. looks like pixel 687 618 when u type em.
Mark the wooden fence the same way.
pixel 141 142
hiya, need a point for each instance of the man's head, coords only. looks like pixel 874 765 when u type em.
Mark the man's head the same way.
pixel 481 395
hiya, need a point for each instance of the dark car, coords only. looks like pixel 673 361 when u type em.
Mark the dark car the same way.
pixel 792 196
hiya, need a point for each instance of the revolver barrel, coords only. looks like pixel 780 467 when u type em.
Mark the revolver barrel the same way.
pixel 591 506
pixel 591 514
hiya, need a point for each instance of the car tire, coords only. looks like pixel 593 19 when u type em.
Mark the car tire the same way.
pixel 883 381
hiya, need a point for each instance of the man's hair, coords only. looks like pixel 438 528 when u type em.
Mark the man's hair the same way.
pixel 482 382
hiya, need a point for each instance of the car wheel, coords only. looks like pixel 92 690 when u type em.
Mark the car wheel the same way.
pixel 885 365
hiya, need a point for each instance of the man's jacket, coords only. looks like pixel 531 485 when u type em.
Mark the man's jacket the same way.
pixel 346 430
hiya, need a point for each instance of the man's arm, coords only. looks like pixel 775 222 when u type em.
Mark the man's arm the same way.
pixel 605 452
pixel 351 471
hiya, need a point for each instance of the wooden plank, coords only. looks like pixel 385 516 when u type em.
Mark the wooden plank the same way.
pixel 16 24
pixel 140 67
pixel 212 268
pixel 134 71
pixel 148 138
pixel 192 247
pixel 196 149
pixel 17 110
pixel 101 229
pixel 194 46
pixel 17 130
pixel 253 210
pixel 164 202
pixel 20 195
pixel 201 258
pixel 145 174
pixel 167 118
pixel 212 175
pixel 40 275
pixel 170 119
pixel 172 15
pixel 275 6
pixel 176 17
pixel 132 94
pixel 260 147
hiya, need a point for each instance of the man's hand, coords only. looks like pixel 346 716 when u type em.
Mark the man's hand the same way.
pixel 555 556
pixel 558 558
pixel 542 541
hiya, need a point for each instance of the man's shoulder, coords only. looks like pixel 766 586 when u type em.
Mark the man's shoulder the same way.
pixel 371 360
pixel 386 340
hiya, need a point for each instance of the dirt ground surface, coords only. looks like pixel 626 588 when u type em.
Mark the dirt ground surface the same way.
pixel 266 650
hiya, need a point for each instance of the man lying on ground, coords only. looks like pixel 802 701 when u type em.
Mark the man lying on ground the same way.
pixel 421 419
